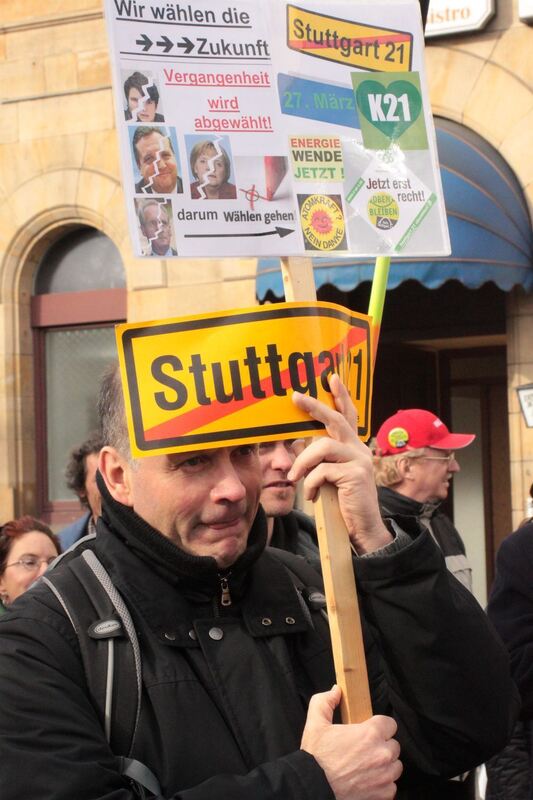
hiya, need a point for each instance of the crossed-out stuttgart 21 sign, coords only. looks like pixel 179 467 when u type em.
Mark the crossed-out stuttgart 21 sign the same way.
pixel 227 378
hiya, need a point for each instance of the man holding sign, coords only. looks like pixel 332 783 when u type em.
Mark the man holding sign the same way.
pixel 236 669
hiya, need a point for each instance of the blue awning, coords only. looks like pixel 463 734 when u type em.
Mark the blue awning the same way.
pixel 488 220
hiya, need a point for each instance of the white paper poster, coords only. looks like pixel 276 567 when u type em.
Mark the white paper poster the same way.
pixel 274 129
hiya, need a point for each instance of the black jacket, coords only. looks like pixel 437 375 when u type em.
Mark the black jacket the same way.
pixel 509 772
pixel 222 716
pixel 296 533
pixel 406 511
pixel 510 607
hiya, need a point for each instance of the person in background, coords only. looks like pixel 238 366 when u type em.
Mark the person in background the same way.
pixel 27 548
pixel 414 463
pixel 287 528
pixel 80 477
pixel 510 609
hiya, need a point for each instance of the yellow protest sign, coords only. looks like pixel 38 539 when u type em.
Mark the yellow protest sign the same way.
pixel 361 46
pixel 227 378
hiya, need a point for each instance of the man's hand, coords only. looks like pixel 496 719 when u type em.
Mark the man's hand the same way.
pixel 360 761
pixel 340 458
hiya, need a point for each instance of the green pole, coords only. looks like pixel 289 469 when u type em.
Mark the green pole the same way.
pixel 377 300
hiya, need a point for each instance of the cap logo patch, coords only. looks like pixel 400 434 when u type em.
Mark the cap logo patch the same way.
pixel 398 437
pixel 437 423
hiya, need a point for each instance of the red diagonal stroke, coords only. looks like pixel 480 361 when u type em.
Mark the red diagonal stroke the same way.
pixel 298 44
pixel 199 416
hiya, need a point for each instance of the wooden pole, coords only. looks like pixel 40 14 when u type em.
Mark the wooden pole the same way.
pixel 335 554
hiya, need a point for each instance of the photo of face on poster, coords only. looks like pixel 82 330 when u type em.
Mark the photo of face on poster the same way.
pixel 210 168
pixel 155 160
pixel 156 229
pixel 141 98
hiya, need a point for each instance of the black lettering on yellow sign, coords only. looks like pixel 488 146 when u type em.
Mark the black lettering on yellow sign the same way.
pixel 300 373
pixel 348 42
pixel 228 378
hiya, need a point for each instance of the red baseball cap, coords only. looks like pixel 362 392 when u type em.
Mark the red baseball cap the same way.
pixel 412 428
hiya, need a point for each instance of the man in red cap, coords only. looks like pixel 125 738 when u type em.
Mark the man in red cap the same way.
pixel 414 464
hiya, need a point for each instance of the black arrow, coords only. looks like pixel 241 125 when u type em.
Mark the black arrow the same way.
pixel 165 43
pixel 145 42
pixel 280 231
pixel 187 44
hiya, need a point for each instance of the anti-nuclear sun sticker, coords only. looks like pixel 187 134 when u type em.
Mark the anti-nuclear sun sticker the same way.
pixel 322 221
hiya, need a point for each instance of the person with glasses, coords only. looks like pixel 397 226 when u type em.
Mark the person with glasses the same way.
pixel 27 548
pixel 414 464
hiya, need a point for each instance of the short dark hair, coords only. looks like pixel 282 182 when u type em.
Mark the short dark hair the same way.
pixel 111 411
pixel 137 81
pixel 76 469
pixel 145 130
pixel 15 528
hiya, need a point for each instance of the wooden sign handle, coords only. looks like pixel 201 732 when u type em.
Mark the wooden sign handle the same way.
pixel 335 554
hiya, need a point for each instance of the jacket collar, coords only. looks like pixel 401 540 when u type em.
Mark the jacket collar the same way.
pixel 393 502
pixel 172 588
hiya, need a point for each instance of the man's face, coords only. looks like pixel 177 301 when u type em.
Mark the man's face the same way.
pixel 277 493
pixel 430 476
pixel 157 161
pixel 156 228
pixel 148 109
pixel 204 501
pixel 210 170
pixel 91 490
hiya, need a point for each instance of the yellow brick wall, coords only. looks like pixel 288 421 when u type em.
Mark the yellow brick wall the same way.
pixel 59 163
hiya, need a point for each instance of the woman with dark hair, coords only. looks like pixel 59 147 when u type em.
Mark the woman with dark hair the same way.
pixel 27 548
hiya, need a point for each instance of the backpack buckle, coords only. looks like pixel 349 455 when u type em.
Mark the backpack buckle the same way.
pixel 105 628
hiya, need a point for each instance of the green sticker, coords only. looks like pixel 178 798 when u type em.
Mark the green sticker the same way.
pixel 390 111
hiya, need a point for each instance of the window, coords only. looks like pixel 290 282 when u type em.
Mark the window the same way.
pixel 79 295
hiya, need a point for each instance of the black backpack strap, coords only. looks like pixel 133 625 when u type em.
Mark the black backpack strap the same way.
pixel 307 581
pixel 108 644
pixel 141 776
pixel 110 654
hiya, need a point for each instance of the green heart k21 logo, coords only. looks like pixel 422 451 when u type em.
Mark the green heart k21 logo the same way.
pixel 392 109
